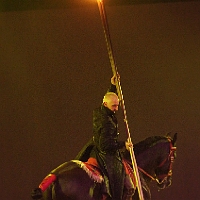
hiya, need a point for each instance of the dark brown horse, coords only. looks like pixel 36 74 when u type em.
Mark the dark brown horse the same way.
pixel 75 180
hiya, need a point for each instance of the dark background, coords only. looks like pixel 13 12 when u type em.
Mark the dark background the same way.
pixel 54 70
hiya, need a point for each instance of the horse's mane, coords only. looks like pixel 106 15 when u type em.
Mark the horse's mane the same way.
pixel 148 142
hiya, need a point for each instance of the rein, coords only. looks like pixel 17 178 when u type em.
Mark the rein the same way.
pixel 171 158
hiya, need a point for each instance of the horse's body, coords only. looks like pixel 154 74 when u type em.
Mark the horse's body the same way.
pixel 74 181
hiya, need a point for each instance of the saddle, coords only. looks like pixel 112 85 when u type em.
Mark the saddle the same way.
pixel 91 168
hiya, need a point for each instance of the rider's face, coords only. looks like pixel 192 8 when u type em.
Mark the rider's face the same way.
pixel 112 103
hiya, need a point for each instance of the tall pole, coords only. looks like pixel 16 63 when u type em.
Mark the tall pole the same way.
pixel 119 91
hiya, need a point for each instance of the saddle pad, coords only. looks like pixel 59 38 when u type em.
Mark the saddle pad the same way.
pixel 92 171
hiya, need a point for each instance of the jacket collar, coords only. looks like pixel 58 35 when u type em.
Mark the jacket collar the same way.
pixel 107 110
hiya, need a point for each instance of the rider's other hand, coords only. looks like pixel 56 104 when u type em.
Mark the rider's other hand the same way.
pixel 115 78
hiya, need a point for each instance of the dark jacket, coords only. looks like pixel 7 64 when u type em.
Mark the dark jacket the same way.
pixel 106 150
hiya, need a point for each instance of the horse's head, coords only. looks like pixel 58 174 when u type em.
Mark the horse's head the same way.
pixel 155 156
pixel 163 172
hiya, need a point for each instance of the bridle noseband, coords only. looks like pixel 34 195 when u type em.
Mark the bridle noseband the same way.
pixel 162 178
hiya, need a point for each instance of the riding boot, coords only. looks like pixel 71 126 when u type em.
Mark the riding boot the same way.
pixel 47 181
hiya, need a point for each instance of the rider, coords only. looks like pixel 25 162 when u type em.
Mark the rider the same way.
pixel 106 147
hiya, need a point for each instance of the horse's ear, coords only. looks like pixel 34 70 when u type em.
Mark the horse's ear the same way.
pixel 174 139
pixel 168 135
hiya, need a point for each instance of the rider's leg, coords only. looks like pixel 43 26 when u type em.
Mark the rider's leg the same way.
pixel 129 188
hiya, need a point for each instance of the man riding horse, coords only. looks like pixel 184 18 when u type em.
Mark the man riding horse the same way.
pixel 104 148
pixel 70 180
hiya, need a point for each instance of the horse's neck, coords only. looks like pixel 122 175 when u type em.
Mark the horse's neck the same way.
pixel 146 161
pixel 150 158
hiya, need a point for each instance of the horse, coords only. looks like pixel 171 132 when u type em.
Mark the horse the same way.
pixel 77 180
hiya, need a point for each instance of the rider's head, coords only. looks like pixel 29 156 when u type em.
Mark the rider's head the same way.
pixel 111 101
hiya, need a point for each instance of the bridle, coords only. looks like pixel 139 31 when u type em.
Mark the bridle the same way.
pixel 162 178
